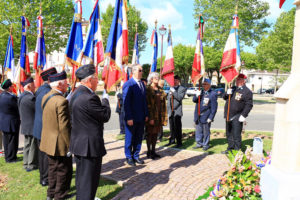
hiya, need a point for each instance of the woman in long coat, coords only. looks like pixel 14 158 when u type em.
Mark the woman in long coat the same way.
pixel 158 116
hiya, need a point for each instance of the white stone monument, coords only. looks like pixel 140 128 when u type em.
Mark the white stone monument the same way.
pixel 280 180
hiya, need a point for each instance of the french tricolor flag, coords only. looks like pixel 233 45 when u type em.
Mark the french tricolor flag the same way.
pixel 231 61
pixel 281 3
pixel 93 51
pixel 198 68
pixel 154 43
pixel 168 69
pixel 116 54
pixel 24 58
pixel 9 62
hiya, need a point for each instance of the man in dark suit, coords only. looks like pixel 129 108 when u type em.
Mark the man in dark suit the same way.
pixel 38 119
pixel 9 121
pixel 120 111
pixel 176 94
pixel 208 109
pixel 136 113
pixel 26 108
pixel 55 140
pixel 241 103
pixel 89 114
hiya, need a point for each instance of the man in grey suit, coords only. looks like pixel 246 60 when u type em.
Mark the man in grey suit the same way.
pixel 176 95
pixel 27 109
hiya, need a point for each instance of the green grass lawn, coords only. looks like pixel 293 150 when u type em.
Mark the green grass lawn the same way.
pixel 218 140
pixel 16 183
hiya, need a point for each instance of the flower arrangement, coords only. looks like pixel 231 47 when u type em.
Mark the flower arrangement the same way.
pixel 242 180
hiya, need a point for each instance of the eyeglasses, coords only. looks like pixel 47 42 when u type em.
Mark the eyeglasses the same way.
pixel 140 70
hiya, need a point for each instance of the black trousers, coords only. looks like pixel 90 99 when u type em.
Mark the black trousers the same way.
pixel 43 165
pixel 59 176
pixel 234 134
pixel 11 144
pixel 87 177
pixel 176 129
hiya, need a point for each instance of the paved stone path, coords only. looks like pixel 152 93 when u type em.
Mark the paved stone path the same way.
pixel 178 175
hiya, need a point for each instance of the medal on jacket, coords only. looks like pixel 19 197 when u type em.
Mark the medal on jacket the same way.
pixel 205 101
pixel 238 96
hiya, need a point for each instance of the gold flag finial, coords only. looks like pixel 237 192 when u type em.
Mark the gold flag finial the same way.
pixel 40 7
pixel 170 27
pixel 155 24
pixel 11 27
pixel 136 27
pixel 236 9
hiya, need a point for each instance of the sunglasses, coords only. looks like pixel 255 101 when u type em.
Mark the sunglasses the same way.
pixel 140 70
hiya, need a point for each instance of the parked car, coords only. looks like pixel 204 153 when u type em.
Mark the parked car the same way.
pixel 261 91
pixel 191 91
pixel 270 91
pixel 220 91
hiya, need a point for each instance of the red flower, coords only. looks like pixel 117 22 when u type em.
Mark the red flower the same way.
pixel 257 189
pixel 240 193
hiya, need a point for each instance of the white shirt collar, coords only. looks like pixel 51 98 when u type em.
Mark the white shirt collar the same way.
pixel 29 92
pixel 136 80
pixel 60 92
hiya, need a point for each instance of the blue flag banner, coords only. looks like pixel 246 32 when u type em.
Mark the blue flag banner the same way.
pixel 135 55
pixel 154 43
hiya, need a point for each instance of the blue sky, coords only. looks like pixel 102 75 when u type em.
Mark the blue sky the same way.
pixel 178 13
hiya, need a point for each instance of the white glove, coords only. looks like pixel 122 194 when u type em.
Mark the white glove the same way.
pixel 198 93
pixel 242 119
pixel 105 95
pixel 229 91
pixel 172 89
pixel 208 120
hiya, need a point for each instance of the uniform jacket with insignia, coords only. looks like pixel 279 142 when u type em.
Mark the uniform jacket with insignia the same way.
pixel 241 102
pixel 178 97
pixel 27 110
pixel 56 125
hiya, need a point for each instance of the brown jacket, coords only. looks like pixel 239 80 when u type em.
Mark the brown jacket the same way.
pixel 153 108
pixel 56 129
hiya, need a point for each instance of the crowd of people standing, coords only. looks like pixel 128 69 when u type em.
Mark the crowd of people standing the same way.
pixel 58 130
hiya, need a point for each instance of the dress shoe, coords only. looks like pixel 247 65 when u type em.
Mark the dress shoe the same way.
pixel 197 147
pixel 225 152
pixel 148 154
pixel 130 161
pixel 139 161
pixel 178 146
pixel 49 198
pixel 205 148
pixel 44 183
pixel 170 143
pixel 156 155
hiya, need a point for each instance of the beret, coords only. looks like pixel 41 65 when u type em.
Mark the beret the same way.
pixel 6 84
pixel 243 76
pixel 45 74
pixel 177 77
pixel 85 71
pixel 58 77
pixel 27 81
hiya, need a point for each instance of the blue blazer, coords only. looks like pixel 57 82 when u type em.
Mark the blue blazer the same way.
pixel 134 101
pixel 9 113
pixel 38 118
pixel 208 108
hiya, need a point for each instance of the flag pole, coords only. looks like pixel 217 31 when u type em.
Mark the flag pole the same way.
pixel 201 23
pixel 172 97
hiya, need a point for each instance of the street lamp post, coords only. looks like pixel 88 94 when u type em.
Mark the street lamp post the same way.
pixel 162 32
pixel 261 79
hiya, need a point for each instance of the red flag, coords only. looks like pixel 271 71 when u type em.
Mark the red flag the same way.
pixel 168 69
pixel 281 3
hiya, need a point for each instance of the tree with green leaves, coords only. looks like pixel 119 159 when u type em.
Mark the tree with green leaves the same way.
pixel 275 51
pixel 218 15
pixel 133 17
pixel 57 21
pixel 250 60
pixel 212 59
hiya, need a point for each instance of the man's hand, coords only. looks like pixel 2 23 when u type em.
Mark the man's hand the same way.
pixel 151 122
pixel 198 93
pixel 229 91
pixel 208 120
pixel 172 89
pixel 242 118
pixel 130 122
pixel 105 95
pixel 146 119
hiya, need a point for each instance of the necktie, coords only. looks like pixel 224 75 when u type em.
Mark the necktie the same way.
pixel 141 86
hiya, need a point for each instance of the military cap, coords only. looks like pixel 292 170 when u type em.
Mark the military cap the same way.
pixel 207 80
pixel 27 81
pixel 177 77
pixel 58 77
pixel 242 76
pixel 6 84
pixel 46 73
pixel 85 71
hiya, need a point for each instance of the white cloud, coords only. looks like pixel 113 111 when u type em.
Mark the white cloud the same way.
pixel 275 11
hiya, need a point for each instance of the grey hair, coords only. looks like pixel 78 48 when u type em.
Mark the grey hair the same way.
pixel 56 83
pixel 86 78
pixel 135 67
pixel 151 76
